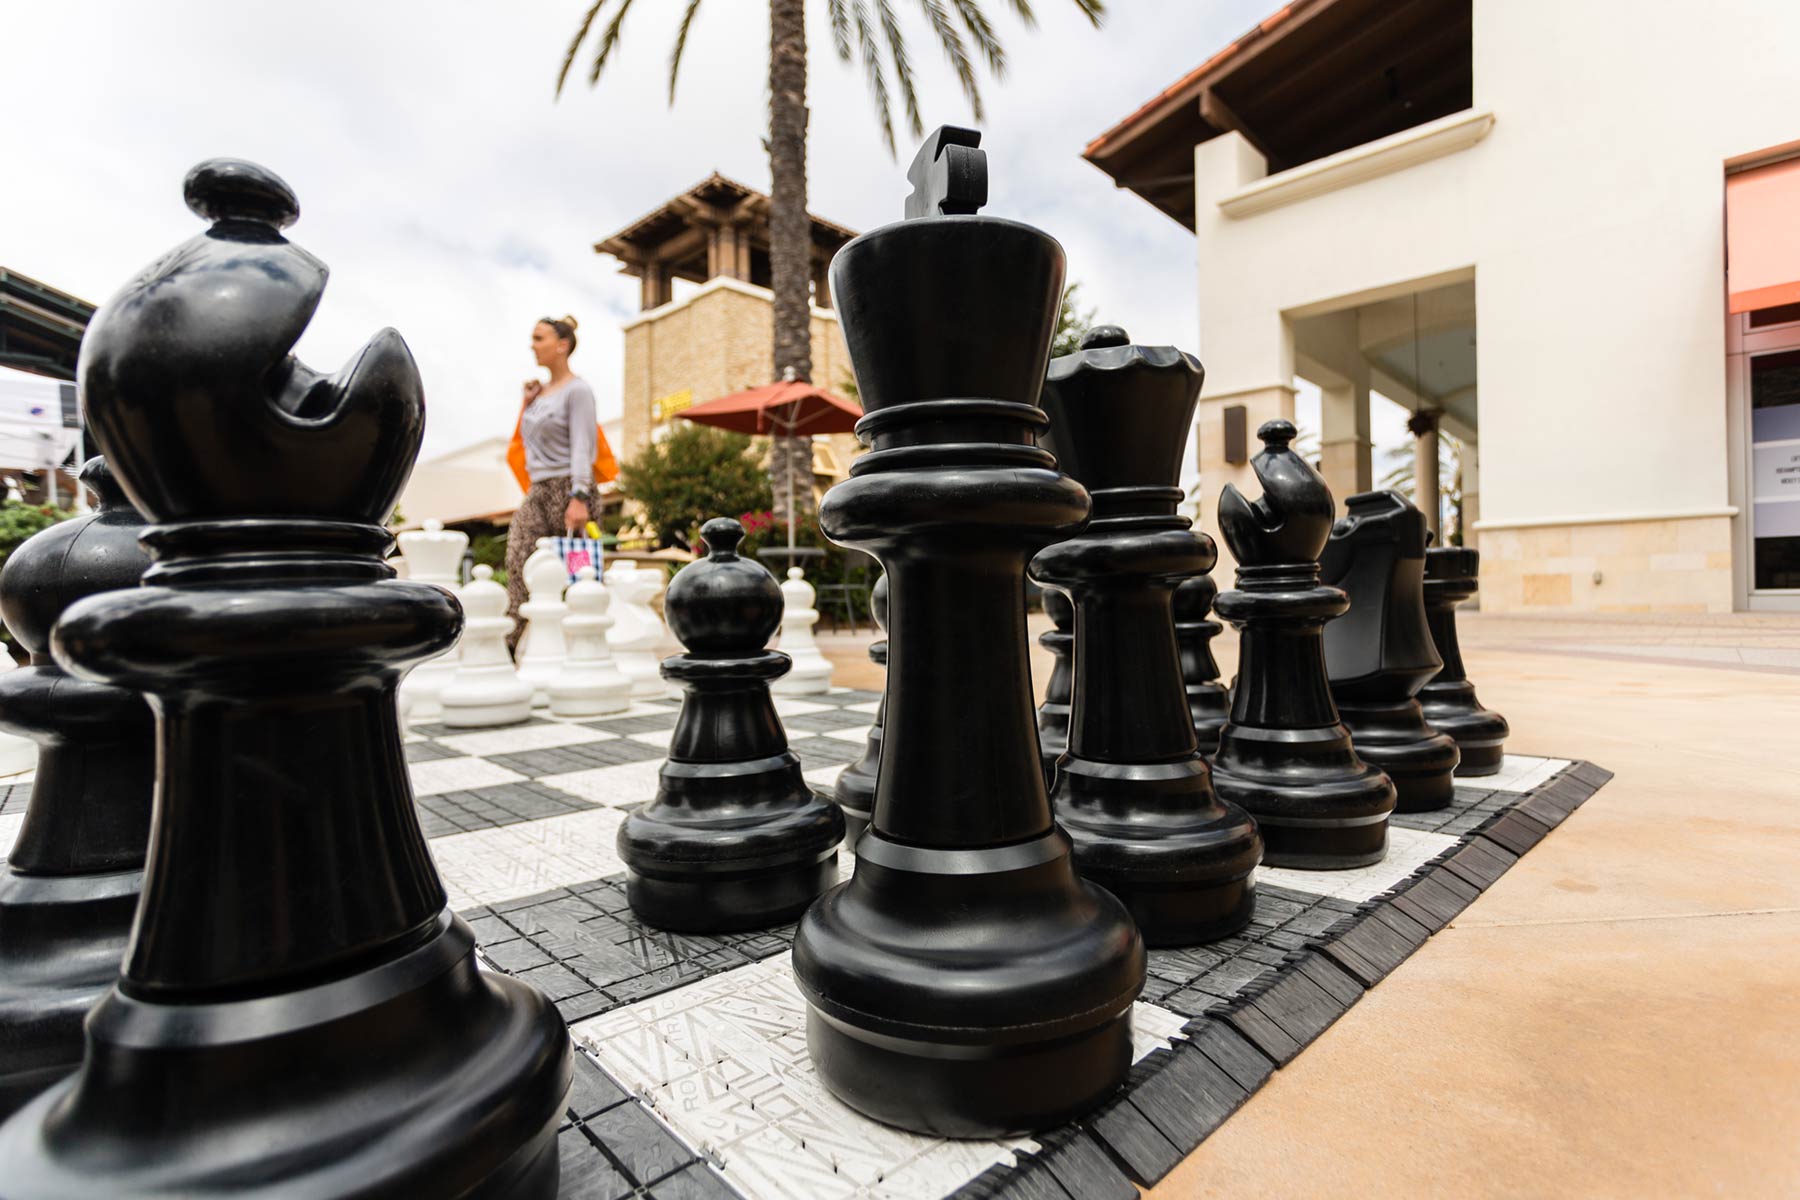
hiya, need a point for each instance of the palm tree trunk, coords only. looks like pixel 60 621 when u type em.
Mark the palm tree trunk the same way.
pixel 790 238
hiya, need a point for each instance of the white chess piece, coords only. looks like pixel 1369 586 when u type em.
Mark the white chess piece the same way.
pixel 486 689
pixel 637 634
pixel 589 683
pixel 811 671
pixel 541 649
pixel 16 753
pixel 433 555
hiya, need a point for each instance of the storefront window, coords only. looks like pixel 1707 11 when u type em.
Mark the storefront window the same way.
pixel 1775 450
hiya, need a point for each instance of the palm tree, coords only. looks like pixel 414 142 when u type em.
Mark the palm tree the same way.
pixel 1401 478
pixel 860 29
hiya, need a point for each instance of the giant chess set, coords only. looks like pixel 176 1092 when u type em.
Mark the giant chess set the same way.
pixel 315 890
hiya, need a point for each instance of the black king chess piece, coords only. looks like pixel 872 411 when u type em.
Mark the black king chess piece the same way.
pixel 1379 654
pixel 964 982
pixel 1059 690
pixel 855 788
pixel 1209 701
pixel 1285 756
pixel 300 1013
pixel 1449 699
pixel 735 839
pixel 69 889
pixel 1132 790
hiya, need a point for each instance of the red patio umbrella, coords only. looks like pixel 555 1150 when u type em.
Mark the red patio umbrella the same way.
pixel 791 408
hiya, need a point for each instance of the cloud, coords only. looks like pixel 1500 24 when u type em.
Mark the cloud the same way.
pixel 455 200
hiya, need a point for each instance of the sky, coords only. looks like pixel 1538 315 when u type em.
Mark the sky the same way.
pixel 457 200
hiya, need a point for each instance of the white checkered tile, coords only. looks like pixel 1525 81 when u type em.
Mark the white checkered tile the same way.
pixel 1408 850
pixel 458 774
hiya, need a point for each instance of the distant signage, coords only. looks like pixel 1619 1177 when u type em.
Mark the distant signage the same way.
pixel 39 422
pixel 664 407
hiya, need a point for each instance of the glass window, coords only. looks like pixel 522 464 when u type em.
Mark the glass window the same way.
pixel 1775 452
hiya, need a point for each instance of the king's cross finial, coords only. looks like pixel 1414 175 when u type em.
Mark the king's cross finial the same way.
pixel 948 174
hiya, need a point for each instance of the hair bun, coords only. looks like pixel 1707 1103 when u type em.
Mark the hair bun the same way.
pixel 571 322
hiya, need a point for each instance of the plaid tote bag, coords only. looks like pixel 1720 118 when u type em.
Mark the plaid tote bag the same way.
pixel 579 552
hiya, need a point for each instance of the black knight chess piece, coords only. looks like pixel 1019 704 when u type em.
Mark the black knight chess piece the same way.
pixel 1379 654
pixel 855 789
pixel 1209 701
pixel 1059 690
pixel 300 1012
pixel 735 839
pixel 1132 790
pixel 1285 756
pixel 965 982
pixel 1449 699
pixel 69 889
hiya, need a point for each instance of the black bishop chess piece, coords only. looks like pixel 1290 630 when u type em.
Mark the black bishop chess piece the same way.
pixel 69 889
pixel 300 1012
pixel 1133 790
pixel 1209 701
pixel 1379 654
pixel 1449 699
pixel 1285 756
pixel 735 838
pixel 1059 689
pixel 855 789
pixel 965 982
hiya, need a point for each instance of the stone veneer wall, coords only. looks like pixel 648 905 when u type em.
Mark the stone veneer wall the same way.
pixel 1669 565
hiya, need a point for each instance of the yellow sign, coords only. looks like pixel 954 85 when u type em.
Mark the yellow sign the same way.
pixel 664 407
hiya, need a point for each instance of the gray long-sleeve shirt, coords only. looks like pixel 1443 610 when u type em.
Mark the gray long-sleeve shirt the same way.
pixel 559 432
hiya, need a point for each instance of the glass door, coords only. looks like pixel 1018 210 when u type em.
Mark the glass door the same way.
pixel 1774 476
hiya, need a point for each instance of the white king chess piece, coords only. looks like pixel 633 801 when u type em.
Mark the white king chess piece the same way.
pixel 811 672
pixel 589 683
pixel 486 690
pixel 541 649
pixel 636 637
pixel 433 555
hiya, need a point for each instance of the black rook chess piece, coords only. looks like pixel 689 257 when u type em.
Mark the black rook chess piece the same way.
pixel 1132 790
pixel 855 788
pixel 1449 699
pixel 964 982
pixel 735 838
pixel 1285 756
pixel 1209 702
pixel 1379 654
pixel 1059 691
pixel 300 1013
pixel 70 887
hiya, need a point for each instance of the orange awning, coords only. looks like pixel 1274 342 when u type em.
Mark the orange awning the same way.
pixel 1762 236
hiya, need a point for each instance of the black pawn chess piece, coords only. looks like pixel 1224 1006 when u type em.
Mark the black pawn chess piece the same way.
pixel 300 1012
pixel 69 889
pixel 1449 699
pixel 964 982
pixel 1379 654
pixel 1209 701
pixel 1285 756
pixel 735 839
pixel 855 790
pixel 1059 691
pixel 1132 790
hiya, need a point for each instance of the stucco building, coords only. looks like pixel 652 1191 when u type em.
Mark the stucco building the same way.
pixel 1512 217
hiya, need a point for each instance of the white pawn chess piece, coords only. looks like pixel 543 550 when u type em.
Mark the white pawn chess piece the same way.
pixel 541 649
pixel 433 555
pixel 637 634
pixel 811 672
pixel 486 689
pixel 16 753
pixel 589 683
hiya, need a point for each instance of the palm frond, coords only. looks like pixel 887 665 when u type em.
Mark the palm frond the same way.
pixel 903 76
pixel 587 23
pixel 976 22
pixel 871 59
pixel 608 41
pixel 955 51
pixel 840 27
pixel 681 36
pixel 1023 8
pixel 1093 10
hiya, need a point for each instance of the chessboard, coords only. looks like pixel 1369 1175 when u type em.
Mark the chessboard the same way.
pixel 691 1072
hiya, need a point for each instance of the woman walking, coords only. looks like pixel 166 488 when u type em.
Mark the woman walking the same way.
pixel 558 454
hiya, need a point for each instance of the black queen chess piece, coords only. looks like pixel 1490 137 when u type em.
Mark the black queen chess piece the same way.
pixel 1133 790
pixel 69 889
pixel 1285 756
pixel 1059 689
pixel 1449 699
pixel 1209 701
pixel 300 1012
pixel 735 838
pixel 1379 654
pixel 965 982
pixel 855 787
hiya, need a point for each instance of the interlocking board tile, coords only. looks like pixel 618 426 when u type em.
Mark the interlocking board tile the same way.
pixel 857 734
pixel 1520 773
pixel 458 775
pixel 1408 850
pixel 517 860
pixel 9 831
pixel 616 787
pixel 522 737
pixel 792 706
pixel 560 760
